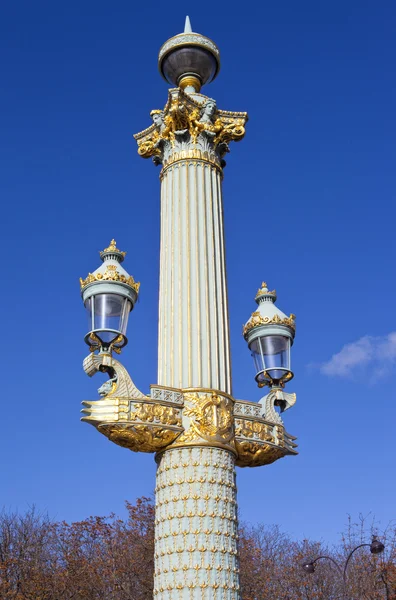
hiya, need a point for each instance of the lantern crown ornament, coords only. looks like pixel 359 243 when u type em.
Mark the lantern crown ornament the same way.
pixel 189 60
pixel 264 292
pixel 112 251
pixel 270 335
pixel 109 294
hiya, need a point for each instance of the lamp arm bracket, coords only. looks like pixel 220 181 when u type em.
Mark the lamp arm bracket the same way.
pixel 279 398
pixel 120 383
pixel 349 558
pixel 335 563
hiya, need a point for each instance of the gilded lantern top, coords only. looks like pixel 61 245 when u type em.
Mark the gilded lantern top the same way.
pixel 189 59
pixel 112 250
pixel 263 292
pixel 111 270
pixel 267 313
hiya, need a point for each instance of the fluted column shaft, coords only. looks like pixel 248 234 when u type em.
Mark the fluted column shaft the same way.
pixel 193 348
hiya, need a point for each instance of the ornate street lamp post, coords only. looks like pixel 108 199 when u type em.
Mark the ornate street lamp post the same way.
pixel 376 547
pixel 190 419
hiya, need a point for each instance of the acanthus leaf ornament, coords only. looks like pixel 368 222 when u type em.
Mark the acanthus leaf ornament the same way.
pixel 186 125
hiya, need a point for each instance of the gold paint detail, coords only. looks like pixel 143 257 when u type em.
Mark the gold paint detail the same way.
pixel 110 274
pixel 263 291
pixel 166 415
pixel 193 154
pixel 182 116
pixel 254 429
pixel 96 343
pixel 173 419
pixel 211 420
pixel 254 454
pixel 257 320
pixel 139 438
pixel 196 524
pixel 260 442
pixel 113 248
pixel 190 81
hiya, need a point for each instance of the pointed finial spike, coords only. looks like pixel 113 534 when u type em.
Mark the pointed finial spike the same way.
pixel 187 26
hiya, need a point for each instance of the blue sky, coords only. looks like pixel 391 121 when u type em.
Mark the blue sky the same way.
pixel 309 201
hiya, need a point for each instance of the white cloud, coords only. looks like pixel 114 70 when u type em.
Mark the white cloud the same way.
pixel 376 353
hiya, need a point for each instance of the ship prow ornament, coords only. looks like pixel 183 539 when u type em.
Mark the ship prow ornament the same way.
pixel 198 431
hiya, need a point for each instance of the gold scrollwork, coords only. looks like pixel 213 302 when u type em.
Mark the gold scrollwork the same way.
pixel 112 247
pixel 257 319
pixel 254 429
pixel 149 148
pixel 165 415
pixel 230 132
pixel 110 274
pixel 255 454
pixel 211 419
pixel 96 343
pixel 263 291
pixel 139 438
pixel 183 116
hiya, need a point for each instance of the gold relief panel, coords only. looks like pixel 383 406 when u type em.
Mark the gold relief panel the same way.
pixel 211 420
pixel 139 438
pixel 254 429
pixel 256 454
pixel 110 274
pixel 155 413
pixel 257 320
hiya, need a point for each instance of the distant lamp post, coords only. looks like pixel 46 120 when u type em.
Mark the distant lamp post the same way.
pixel 109 294
pixel 376 547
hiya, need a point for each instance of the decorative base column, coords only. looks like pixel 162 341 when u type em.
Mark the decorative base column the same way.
pixel 196 525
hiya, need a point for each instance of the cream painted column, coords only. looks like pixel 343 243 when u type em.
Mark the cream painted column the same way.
pixel 193 348
pixel 196 554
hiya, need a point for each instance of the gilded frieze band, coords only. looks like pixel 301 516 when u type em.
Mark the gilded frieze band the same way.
pixel 181 418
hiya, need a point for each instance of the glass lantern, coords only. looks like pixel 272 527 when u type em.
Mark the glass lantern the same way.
pixel 109 294
pixel 108 318
pixel 271 355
